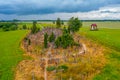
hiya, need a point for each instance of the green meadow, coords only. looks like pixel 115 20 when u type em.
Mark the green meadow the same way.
pixel 109 36
pixel 10 52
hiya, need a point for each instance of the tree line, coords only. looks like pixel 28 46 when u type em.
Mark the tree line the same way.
pixel 7 26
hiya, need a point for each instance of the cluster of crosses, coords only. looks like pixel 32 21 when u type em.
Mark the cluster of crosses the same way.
pixel 49 59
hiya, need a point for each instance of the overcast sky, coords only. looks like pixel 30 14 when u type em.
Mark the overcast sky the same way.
pixel 52 9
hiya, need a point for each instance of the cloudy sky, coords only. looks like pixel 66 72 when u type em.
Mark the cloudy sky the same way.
pixel 51 9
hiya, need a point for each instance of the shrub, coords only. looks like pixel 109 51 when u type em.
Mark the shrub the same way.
pixel 64 67
pixel 24 26
pixel 51 68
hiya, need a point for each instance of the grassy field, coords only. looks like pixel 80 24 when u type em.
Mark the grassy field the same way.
pixel 110 25
pixel 10 52
pixel 109 38
pixel 39 24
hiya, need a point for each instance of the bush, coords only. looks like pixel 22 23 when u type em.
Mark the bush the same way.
pixel 24 26
pixel 51 68
pixel 64 67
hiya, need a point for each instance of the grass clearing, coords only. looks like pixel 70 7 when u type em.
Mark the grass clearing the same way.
pixel 10 52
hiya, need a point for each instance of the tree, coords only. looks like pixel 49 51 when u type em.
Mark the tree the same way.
pixel 64 41
pixel 58 42
pixel 52 37
pixel 15 20
pixel 34 29
pixel 24 26
pixel 45 40
pixel 13 27
pixel 65 30
pixel 29 42
pixel 62 22
pixel 4 28
pixel 74 24
pixel 9 26
pixel 58 23
pixel 53 22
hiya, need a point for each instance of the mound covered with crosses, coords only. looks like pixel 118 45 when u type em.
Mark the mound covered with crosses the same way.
pixel 34 41
pixel 48 63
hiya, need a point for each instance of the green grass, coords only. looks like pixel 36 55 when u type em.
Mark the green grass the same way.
pixel 109 38
pixel 10 52
pixel 112 69
pixel 29 25
pixel 39 24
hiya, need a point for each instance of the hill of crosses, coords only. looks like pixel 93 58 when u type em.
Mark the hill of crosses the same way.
pixel 75 62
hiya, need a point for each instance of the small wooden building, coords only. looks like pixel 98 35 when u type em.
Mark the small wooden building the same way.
pixel 93 27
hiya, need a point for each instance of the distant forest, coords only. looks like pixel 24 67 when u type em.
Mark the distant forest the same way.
pixel 55 20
